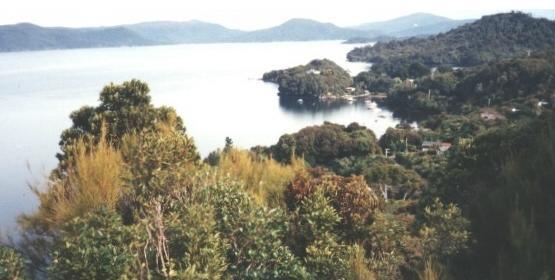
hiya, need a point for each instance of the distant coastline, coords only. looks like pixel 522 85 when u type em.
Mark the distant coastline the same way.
pixel 32 37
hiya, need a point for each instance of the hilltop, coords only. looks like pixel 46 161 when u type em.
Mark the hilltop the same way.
pixel 174 32
pixel 492 37
pixel 416 24
pixel 26 36
pixel 303 30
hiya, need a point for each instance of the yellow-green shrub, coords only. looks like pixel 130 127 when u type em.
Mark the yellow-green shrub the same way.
pixel 92 180
pixel 264 178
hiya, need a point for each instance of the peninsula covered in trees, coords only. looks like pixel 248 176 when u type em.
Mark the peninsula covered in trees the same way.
pixel 318 80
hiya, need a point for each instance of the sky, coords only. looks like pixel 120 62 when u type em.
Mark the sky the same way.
pixel 244 14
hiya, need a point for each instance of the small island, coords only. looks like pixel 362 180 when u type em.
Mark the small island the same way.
pixel 319 80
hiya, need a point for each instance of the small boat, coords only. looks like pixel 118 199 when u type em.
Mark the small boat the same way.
pixel 300 101
pixel 371 105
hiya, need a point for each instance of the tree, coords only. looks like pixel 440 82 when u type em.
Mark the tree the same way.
pixel 123 109
pixel 321 145
pixel 444 232
pixel 228 144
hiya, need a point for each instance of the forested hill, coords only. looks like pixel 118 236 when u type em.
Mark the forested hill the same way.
pixel 492 37
pixel 173 32
pixel 26 36
pixel 417 24
pixel 318 79
pixel 303 30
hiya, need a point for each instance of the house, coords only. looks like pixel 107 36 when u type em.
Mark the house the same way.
pixel 409 83
pixel 313 71
pixel 437 146
pixel 491 115
pixel 444 146
pixel 430 145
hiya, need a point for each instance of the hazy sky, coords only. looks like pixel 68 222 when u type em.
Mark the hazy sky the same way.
pixel 244 14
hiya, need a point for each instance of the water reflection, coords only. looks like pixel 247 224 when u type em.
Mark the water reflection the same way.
pixel 292 105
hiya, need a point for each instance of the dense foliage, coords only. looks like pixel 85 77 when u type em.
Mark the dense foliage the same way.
pixel 132 200
pixel 322 145
pixel 490 38
pixel 494 88
pixel 12 264
pixel 317 79
pixel 504 182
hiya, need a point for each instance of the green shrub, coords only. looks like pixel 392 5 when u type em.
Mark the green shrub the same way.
pixel 194 244
pixel 255 234
pixel 12 264
pixel 95 246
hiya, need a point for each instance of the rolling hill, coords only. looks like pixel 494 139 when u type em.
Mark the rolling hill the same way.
pixel 303 30
pixel 492 37
pixel 171 32
pixel 26 36
pixel 418 24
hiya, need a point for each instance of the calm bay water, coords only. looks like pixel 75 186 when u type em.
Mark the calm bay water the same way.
pixel 215 88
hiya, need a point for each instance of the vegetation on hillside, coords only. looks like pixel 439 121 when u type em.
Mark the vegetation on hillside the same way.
pixel 490 38
pixel 521 83
pixel 503 183
pixel 133 200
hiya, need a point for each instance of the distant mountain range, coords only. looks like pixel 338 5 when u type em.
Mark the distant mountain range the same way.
pixel 27 36
pixel 417 24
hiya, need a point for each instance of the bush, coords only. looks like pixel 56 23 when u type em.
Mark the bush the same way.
pixel 445 231
pixel 95 246
pixel 264 178
pixel 160 165
pixel 93 179
pixel 194 244
pixel 255 235
pixel 351 198
pixel 12 264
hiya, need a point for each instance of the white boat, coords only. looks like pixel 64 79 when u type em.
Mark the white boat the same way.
pixel 371 105
pixel 300 101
